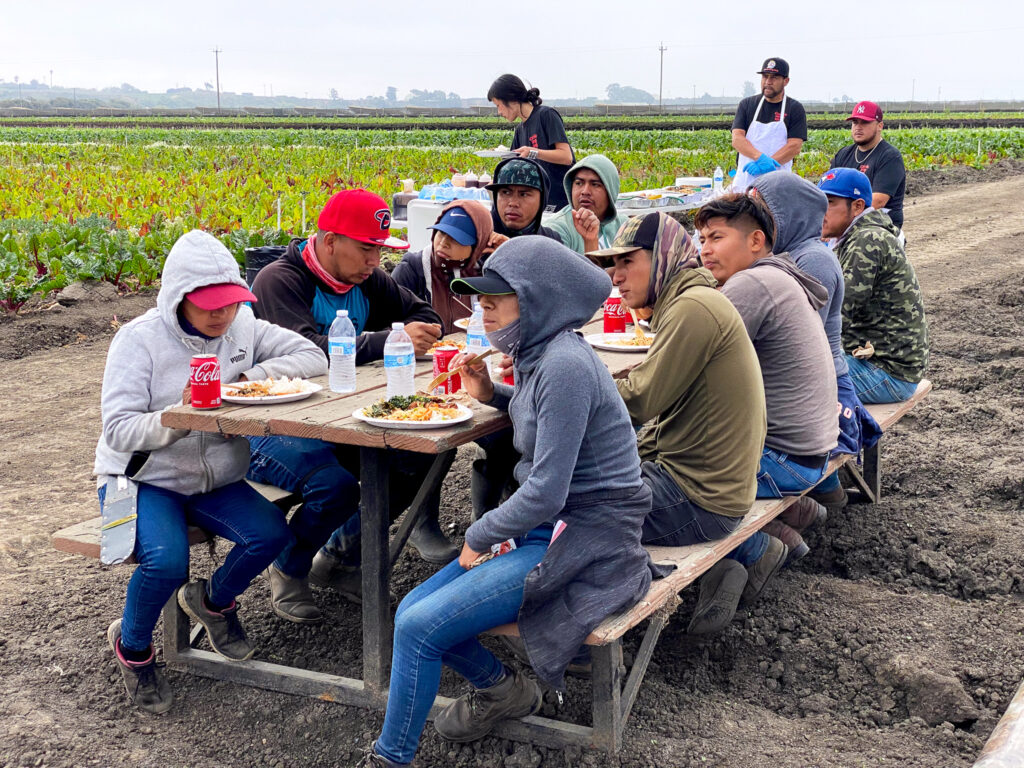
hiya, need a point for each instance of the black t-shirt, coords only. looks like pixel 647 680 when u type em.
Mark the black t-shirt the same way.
pixel 795 117
pixel 542 130
pixel 883 166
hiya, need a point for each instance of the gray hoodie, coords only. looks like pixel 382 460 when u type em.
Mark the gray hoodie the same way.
pixel 779 304
pixel 148 367
pixel 799 208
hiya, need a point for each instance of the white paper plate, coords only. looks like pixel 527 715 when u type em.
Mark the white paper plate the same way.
pixel 502 153
pixel 463 323
pixel 602 341
pixel 227 389
pixel 464 415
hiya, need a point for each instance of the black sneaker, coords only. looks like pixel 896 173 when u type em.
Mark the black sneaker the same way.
pixel 222 627
pixel 472 716
pixel 146 685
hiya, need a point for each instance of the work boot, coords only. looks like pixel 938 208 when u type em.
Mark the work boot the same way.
pixel 581 665
pixel 329 572
pixel 761 571
pixel 790 537
pixel 833 500
pixel 472 716
pixel 433 546
pixel 145 682
pixel 720 590
pixel 802 514
pixel 222 627
pixel 291 598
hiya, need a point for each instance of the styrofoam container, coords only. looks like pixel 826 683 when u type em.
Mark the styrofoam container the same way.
pixel 693 181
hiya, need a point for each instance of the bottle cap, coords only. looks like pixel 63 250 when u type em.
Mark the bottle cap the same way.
pixel 342 313
pixel 397 326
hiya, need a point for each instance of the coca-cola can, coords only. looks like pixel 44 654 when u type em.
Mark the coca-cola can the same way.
pixel 614 314
pixel 509 377
pixel 443 357
pixel 204 380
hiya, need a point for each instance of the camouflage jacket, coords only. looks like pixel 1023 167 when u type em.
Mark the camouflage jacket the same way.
pixel 883 301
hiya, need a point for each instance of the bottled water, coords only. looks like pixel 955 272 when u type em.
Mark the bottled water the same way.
pixel 399 362
pixel 341 341
pixel 719 178
pixel 476 337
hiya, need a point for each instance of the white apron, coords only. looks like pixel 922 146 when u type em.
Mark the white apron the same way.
pixel 767 137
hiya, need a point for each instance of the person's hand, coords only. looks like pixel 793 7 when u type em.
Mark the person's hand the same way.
pixel 493 242
pixel 423 335
pixel 586 223
pixel 186 394
pixel 763 164
pixel 476 379
pixel 504 368
pixel 468 557
pixel 522 151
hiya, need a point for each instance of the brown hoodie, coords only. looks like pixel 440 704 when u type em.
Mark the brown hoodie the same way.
pixel 442 273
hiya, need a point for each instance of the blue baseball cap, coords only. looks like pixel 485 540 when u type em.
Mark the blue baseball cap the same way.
pixel 846 182
pixel 458 225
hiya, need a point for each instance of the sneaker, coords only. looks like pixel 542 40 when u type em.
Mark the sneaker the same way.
pixel 432 545
pixel 803 513
pixel 329 572
pixel 720 590
pixel 761 571
pixel 372 760
pixel 291 598
pixel 790 537
pixel 222 627
pixel 144 680
pixel 833 501
pixel 472 716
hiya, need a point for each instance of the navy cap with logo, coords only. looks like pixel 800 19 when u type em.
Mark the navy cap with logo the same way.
pixel 458 225
pixel 775 66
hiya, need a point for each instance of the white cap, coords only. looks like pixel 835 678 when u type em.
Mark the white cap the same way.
pixel 398 326
pixel 615 293
pixel 342 313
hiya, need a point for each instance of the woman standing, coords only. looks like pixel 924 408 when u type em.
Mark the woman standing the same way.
pixel 541 134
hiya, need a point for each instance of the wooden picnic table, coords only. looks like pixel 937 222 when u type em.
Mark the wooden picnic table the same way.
pixel 328 416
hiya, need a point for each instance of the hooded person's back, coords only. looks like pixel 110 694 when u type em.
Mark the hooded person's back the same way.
pixel 534 227
pixel 562 222
pixel 798 208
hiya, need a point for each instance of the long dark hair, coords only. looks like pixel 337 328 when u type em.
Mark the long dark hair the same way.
pixel 509 88
pixel 752 212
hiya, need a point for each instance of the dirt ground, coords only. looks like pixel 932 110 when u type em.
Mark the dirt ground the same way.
pixel 897 641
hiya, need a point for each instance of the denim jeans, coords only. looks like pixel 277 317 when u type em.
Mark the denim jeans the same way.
pixel 235 512
pixel 437 624
pixel 778 476
pixel 875 385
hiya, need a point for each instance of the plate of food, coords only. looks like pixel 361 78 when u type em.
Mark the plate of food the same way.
pixel 463 323
pixel 621 342
pixel 414 412
pixel 459 345
pixel 499 151
pixel 282 390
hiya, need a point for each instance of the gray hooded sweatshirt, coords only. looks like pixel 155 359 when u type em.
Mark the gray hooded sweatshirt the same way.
pixel 148 368
pixel 779 304
pixel 799 208
pixel 579 458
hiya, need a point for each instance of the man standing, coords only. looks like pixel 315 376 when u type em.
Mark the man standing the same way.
pixel 877 159
pixel 338 268
pixel 767 132
pixel 885 333
pixel 591 220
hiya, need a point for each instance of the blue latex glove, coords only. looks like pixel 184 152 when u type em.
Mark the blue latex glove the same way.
pixel 763 164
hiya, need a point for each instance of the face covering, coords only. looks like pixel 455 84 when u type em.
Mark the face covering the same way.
pixel 506 340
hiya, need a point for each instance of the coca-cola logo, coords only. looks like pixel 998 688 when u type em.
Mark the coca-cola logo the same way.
pixel 206 373
pixel 614 308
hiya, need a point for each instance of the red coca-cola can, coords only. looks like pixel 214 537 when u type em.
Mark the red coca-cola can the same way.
pixel 204 379
pixel 614 313
pixel 443 357
pixel 509 378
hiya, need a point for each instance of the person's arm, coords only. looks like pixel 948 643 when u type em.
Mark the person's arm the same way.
pixel 390 303
pixel 589 228
pixel 282 300
pixel 742 144
pixel 886 179
pixel 878 200
pixel 281 352
pixel 560 154
pixel 790 150
pixel 860 270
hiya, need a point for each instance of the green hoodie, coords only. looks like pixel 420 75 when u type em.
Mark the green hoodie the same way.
pixel 701 383
pixel 561 222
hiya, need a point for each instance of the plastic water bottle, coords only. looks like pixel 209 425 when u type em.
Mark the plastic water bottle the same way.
pixel 399 362
pixel 719 178
pixel 476 336
pixel 341 342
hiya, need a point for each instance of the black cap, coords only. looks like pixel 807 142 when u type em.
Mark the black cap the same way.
pixel 778 67
pixel 489 284
pixel 637 233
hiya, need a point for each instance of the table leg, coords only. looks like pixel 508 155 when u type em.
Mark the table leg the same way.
pixel 374 470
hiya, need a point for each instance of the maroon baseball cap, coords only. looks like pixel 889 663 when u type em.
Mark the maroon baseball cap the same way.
pixel 218 295
pixel 866 110
pixel 361 215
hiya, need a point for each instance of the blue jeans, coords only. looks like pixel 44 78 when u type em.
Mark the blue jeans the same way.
pixel 235 512
pixel 778 476
pixel 437 624
pixel 875 385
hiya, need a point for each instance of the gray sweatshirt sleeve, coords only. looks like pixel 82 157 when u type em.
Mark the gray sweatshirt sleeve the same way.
pixel 562 414
pixel 282 352
pixel 751 299
pixel 502 396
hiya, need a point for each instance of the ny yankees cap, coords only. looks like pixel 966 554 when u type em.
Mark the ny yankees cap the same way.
pixel 866 110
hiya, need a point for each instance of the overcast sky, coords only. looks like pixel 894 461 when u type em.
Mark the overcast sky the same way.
pixel 866 50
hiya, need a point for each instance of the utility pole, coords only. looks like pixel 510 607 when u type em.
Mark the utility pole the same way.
pixel 695 94
pixel 51 78
pixel 913 84
pixel 661 71
pixel 216 54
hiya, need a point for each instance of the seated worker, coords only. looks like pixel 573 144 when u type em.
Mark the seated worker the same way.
pixel 797 207
pixel 520 193
pixel 591 221
pixel 338 268
pixel 463 236
pixel 575 519
pixel 877 159
pixel 779 305
pixel 885 332
pixel 701 386
pixel 187 478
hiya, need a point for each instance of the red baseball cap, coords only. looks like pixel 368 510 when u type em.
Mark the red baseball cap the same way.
pixel 866 110
pixel 361 215
pixel 218 295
